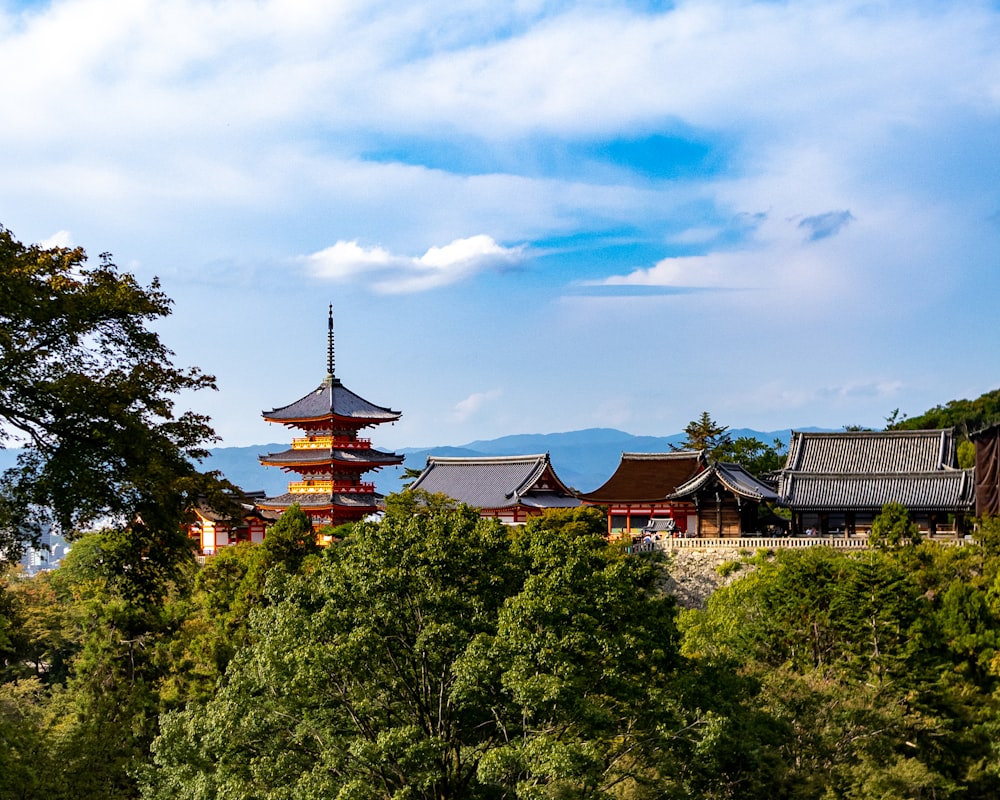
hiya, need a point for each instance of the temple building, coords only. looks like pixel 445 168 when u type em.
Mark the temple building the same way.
pixel 838 482
pixel 727 501
pixel 330 459
pixel 987 471
pixel 508 488
pixel 639 490
pixel 214 530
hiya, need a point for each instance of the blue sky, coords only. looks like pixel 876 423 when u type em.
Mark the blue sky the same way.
pixel 531 217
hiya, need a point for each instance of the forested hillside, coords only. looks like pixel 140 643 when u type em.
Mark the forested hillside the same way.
pixel 436 654
pixel 966 416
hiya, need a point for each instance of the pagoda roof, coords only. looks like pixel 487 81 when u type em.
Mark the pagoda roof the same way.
pixel 494 482
pixel 733 477
pixel 317 500
pixel 332 399
pixel 361 456
pixel 648 477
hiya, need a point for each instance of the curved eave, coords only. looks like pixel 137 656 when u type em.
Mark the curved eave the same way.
pixel 319 502
pixel 945 490
pixel 331 401
pixel 643 478
pixel 323 458
pixel 356 421
pixel 733 478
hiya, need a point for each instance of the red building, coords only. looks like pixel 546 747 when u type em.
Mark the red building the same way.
pixel 640 488
pixel 214 530
pixel 330 459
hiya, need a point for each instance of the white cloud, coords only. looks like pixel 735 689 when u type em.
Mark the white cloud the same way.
pixel 391 274
pixel 58 239
pixel 776 260
pixel 211 138
pixel 471 405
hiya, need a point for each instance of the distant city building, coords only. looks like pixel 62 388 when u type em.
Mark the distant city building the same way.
pixel 330 459
pixel 51 550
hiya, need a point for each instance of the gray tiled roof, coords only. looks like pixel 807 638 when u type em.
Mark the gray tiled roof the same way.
pixel 303 457
pixel 950 490
pixel 496 482
pixel 733 477
pixel 660 524
pixel 872 451
pixel 315 500
pixel 329 399
pixel 864 470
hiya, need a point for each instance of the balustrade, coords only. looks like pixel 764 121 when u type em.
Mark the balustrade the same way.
pixel 329 443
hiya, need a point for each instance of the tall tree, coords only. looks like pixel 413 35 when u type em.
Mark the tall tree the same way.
pixel 440 655
pixel 706 434
pixel 89 391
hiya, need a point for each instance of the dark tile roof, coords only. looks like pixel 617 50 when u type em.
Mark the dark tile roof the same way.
pixel 648 477
pixel 872 451
pixel 864 470
pixel 321 500
pixel 497 482
pixel 950 490
pixel 247 508
pixel 732 477
pixel 303 457
pixel 332 398
pixel 660 525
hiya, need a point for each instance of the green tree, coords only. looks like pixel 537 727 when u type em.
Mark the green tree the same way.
pixel 291 539
pixel 893 527
pixel 755 456
pixel 706 434
pixel 89 391
pixel 440 655
pixel 966 416
pixel 749 452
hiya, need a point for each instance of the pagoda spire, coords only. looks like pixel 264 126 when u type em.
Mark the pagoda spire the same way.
pixel 330 372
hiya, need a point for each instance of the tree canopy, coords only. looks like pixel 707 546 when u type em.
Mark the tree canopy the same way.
pixel 89 391
pixel 716 441
pixel 438 655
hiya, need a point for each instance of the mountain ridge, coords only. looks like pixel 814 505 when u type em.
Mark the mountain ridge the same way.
pixel 583 459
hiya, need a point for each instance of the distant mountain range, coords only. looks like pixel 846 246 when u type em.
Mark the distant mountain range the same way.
pixel 583 459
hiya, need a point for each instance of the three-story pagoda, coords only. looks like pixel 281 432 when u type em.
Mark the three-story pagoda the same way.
pixel 330 459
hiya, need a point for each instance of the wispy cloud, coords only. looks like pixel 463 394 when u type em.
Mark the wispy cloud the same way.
pixel 58 239
pixel 471 405
pixel 823 225
pixel 393 274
